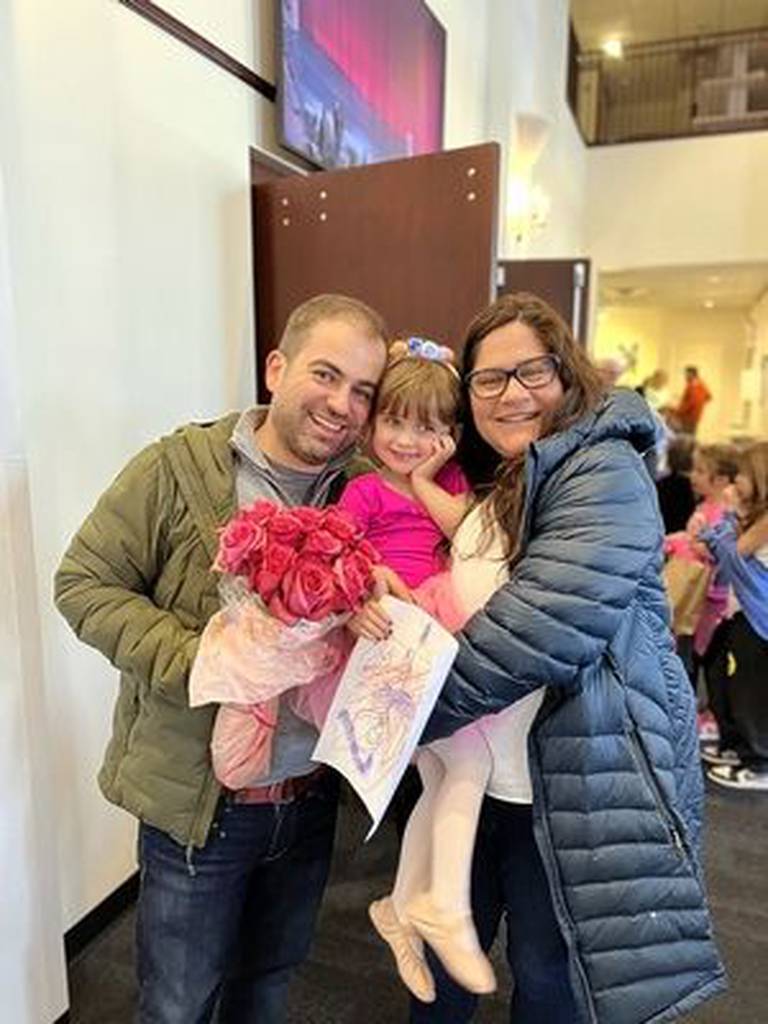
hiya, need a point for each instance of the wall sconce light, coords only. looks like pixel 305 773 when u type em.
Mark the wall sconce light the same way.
pixel 527 205
pixel 527 209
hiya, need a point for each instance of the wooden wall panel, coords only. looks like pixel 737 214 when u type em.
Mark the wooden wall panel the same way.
pixel 564 284
pixel 414 238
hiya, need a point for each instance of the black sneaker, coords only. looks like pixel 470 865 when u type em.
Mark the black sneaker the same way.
pixel 712 754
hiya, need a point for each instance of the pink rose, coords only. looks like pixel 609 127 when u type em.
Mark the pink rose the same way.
pixel 240 545
pixel 309 589
pixel 261 511
pixel 277 560
pixel 324 544
pixel 277 609
pixel 367 550
pixel 286 527
pixel 340 524
pixel 353 575
pixel 310 517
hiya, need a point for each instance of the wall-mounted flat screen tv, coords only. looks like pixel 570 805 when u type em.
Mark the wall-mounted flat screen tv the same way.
pixel 360 80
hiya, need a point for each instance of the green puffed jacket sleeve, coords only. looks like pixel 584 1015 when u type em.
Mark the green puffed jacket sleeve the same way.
pixel 106 582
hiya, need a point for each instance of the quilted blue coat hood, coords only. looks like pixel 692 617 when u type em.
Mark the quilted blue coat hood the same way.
pixel 613 754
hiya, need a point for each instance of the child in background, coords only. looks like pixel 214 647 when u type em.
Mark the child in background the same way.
pixel 713 470
pixel 677 501
pixel 408 508
pixel 738 684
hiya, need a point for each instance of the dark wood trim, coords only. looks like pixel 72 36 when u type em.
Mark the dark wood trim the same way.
pixel 94 922
pixel 203 46
pixel 265 167
pixel 683 136
pixel 572 74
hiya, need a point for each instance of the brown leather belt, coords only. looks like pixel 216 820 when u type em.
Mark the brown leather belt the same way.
pixel 284 792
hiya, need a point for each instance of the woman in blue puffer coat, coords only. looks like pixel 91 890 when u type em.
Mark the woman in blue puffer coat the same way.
pixel 597 871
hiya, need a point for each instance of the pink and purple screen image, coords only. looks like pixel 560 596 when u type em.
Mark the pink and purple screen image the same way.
pixel 361 80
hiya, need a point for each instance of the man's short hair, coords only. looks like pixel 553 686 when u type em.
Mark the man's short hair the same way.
pixel 692 369
pixel 329 307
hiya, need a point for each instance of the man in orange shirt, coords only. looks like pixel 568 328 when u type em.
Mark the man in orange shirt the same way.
pixel 695 397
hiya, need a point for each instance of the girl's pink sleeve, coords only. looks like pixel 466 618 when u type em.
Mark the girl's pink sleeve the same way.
pixel 356 501
pixel 451 478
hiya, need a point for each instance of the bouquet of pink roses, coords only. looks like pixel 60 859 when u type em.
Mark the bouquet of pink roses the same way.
pixel 290 580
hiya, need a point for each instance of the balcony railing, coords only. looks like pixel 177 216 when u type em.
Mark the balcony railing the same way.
pixel 681 87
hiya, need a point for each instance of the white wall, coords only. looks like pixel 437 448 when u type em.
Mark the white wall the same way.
pixel 678 202
pixel 32 977
pixel 671 339
pixel 128 215
pixel 527 61
pixel 466 70
pixel 757 382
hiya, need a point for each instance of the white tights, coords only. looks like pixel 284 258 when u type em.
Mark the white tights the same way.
pixel 436 853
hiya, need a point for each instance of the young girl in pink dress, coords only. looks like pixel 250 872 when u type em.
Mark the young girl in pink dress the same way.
pixel 416 500
pixel 713 471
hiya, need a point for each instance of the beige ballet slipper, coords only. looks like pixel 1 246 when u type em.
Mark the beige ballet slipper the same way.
pixel 404 943
pixel 454 941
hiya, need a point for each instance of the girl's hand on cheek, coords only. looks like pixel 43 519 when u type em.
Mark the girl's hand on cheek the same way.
pixel 443 449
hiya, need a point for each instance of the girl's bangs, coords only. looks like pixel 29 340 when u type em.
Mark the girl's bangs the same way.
pixel 425 392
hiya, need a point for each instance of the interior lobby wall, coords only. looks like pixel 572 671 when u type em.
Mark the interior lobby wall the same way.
pixel 679 202
pixel 32 976
pixel 127 172
pixel 528 46
pixel 757 382
pixel 671 339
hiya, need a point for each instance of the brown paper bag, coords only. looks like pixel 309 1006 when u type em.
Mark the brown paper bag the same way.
pixel 687 583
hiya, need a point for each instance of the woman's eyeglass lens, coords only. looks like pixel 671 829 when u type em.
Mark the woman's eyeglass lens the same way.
pixel 532 374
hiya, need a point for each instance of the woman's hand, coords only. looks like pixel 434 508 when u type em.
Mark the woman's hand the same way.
pixel 443 449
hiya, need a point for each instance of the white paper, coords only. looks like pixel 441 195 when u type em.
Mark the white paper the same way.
pixel 382 704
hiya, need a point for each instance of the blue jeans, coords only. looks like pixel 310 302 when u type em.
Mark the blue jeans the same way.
pixel 232 921
pixel 508 879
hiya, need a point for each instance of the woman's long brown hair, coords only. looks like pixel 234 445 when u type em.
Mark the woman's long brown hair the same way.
pixel 486 469
pixel 753 463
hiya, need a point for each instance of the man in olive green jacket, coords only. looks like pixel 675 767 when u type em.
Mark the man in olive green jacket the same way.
pixel 230 882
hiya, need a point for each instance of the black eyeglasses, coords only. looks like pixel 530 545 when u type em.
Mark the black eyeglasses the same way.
pixel 531 373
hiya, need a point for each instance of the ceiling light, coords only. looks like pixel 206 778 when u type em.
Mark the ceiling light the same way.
pixel 613 48
pixel 713 279
pixel 709 303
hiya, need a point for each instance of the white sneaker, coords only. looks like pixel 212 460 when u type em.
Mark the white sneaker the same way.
pixel 738 778
pixel 712 754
